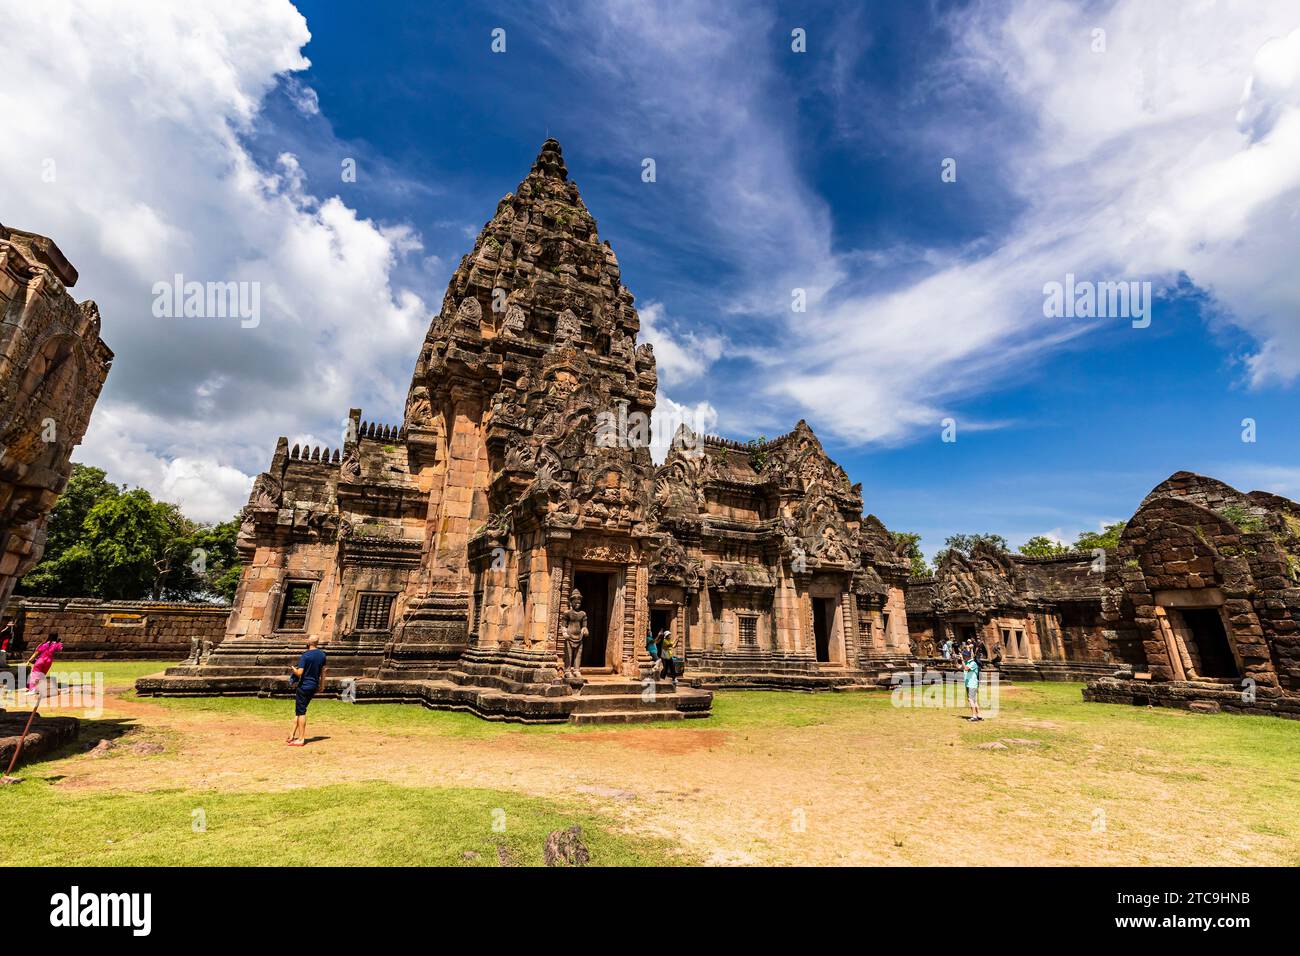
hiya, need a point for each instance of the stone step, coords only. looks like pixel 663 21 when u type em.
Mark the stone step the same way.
pixel 613 688
pixel 626 716
pixel 619 702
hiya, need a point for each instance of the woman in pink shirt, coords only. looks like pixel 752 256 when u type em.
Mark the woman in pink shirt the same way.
pixel 43 660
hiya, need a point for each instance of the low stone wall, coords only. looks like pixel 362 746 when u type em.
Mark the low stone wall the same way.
pixel 121 630
pixel 46 735
pixel 1193 695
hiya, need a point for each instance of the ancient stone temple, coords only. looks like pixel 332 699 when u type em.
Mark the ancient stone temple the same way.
pixel 505 548
pixel 1203 601
pixel 1039 618
pixel 52 367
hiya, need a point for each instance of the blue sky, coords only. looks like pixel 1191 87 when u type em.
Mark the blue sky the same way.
pixel 1168 155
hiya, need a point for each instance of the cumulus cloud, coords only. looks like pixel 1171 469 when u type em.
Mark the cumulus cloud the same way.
pixel 142 110
pixel 681 354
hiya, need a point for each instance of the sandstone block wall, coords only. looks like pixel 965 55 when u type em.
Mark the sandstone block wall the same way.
pixel 121 630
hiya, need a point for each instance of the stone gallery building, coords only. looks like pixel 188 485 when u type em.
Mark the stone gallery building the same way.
pixel 1039 618
pixel 507 546
pixel 52 367
pixel 1202 601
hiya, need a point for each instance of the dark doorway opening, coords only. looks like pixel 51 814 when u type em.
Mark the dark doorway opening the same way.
pixel 661 618
pixel 822 618
pixel 1212 648
pixel 594 587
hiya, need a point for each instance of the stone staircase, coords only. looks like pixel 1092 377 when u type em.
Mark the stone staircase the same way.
pixel 622 701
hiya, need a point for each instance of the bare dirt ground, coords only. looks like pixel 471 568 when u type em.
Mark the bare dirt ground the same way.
pixel 876 785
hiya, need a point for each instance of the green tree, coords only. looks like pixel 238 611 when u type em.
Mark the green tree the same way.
pixel 204 562
pixel 920 568
pixel 1108 537
pixel 86 487
pixel 1041 546
pixel 115 544
pixel 966 543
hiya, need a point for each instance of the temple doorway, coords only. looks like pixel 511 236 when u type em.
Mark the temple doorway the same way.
pixel 660 618
pixel 823 617
pixel 595 587
pixel 1208 642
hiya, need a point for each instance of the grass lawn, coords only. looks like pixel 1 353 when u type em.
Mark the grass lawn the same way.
pixel 770 778
pixel 348 825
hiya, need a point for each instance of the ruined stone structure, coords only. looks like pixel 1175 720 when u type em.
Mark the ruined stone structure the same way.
pixel 444 558
pixel 120 630
pixel 1038 618
pixel 765 567
pixel 1203 601
pixel 52 367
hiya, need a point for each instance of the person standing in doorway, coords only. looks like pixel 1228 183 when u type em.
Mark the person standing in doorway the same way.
pixel 310 674
pixel 666 655
pixel 652 648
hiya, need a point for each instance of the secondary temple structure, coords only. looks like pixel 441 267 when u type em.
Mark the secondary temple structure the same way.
pixel 505 548
pixel 1039 618
pixel 1202 601
pixel 52 367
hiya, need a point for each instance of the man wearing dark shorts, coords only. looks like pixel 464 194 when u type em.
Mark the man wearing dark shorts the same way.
pixel 310 671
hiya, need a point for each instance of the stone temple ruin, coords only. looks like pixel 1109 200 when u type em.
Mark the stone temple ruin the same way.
pixel 505 548
pixel 1202 601
pixel 1039 618
pixel 448 558
pixel 52 367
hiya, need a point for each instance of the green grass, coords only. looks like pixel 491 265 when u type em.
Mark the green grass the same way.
pixel 1132 760
pixel 346 825
pixel 116 673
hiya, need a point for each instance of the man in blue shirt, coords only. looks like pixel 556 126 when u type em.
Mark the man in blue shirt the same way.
pixel 310 674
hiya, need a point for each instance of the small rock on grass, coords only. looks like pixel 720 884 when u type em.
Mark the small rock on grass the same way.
pixel 993 745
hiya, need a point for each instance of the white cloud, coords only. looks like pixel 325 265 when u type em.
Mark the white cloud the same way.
pixel 1172 152
pixel 143 107
pixel 681 355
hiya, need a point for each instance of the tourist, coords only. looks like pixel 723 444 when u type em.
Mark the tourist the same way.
pixel 42 660
pixel 6 638
pixel 947 649
pixel 651 648
pixel 310 675
pixel 666 655
pixel 972 668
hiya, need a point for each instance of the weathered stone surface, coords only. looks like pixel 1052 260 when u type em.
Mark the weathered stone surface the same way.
pixel 47 734
pixel 120 630
pixel 1036 618
pixel 1201 601
pixel 565 848
pixel 52 367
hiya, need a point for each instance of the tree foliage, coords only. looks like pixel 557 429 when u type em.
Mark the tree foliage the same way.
pixel 1041 546
pixel 920 568
pixel 1108 537
pixel 966 543
pixel 117 544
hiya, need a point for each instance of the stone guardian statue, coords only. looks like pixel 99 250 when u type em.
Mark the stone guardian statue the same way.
pixel 575 632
